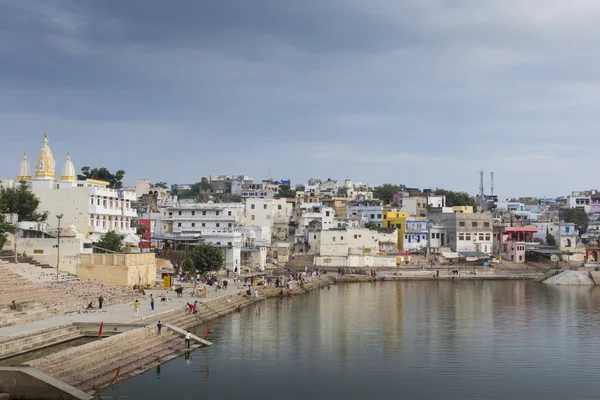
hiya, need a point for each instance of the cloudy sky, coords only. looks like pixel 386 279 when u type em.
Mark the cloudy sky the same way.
pixel 422 92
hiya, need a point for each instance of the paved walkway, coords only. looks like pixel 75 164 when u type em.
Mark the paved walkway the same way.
pixel 120 313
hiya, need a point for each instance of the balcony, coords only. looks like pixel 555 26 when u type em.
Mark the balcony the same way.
pixel 117 212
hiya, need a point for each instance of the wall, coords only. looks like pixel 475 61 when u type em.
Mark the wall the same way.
pixel 29 383
pixel 118 269
pixel 70 249
pixel 71 202
pixel 356 261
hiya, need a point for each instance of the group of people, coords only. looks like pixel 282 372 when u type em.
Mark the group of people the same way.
pixel 192 308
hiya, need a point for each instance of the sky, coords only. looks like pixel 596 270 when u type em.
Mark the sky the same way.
pixel 424 93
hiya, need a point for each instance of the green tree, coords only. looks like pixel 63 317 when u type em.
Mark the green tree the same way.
pixel 4 229
pixel 285 191
pixel 187 265
pixel 115 180
pixel 22 201
pixel 550 240
pixel 161 185
pixel 373 226
pixel 578 217
pixel 457 198
pixel 199 192
pixel 112 241
pixel 386 192
pixel 206 258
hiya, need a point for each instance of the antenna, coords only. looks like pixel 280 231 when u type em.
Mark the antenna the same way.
pixel 492 186
pixel 481 182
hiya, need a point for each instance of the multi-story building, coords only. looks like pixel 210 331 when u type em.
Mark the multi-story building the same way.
pixel 567 237
pixel 464 232
pixel 257 190
pixel 394 219
pixel 315 216
pixel 273 213
pixel 413 234
pixel 371 210
pixel 215 223
pixel 90 206
pixel 581 199
pixel 510 242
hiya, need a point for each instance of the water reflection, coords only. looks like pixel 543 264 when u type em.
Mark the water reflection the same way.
pixel 428 340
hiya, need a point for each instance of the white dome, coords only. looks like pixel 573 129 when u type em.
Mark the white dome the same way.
pixel 68 171
pixel 24 170
pixel 44 168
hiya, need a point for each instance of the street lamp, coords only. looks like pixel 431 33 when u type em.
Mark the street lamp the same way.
pixel 59 216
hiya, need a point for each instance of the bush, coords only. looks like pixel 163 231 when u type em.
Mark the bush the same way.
pixel 187 265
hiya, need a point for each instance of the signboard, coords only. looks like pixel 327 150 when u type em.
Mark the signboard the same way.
pixel 167 281
pixel 366 250
pixel 38 251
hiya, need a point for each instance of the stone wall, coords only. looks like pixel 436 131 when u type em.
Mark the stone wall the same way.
pixel 28 383
pixel 119 269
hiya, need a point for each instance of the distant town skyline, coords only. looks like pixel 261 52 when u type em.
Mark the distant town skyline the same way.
pixel 423 93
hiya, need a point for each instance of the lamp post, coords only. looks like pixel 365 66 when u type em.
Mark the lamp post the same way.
pixel 59 216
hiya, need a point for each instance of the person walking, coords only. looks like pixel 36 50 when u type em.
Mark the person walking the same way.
pixel 152 302
pixel 136 307
pixel 100 301
pixel 158 328
pixel 188 338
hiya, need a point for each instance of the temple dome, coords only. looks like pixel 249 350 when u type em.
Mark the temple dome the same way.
pixel 44 168
pixel 24 170
pixel 68 171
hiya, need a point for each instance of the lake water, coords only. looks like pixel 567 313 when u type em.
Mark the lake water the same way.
pixel 417 340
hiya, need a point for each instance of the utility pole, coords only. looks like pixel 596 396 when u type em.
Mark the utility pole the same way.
pixel 59 216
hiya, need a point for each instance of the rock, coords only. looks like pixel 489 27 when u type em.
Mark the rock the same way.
pixel 571 278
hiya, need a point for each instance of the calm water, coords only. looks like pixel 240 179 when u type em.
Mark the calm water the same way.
pixel 421 340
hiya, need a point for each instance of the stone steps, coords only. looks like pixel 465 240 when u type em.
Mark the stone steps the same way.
pixel 37 340
pixel 77 377
pixel 134 365
pixel 81 353
pixel 105 359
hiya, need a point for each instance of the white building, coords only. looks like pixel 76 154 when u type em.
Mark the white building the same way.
pixel 273 213
pixel 581 199
pixel 436 201
pixel 371 210
pixel 314 215
pixel 89 206
pixel 214 223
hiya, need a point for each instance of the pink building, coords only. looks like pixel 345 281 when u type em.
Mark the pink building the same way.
pixel 509 241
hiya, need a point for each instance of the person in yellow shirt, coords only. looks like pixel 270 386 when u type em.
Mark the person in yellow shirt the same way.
pixel 136 307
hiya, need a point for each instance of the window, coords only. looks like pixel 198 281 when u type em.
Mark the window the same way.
pixel 264 206
pixel 193 224
pixel 486 224
pixel 341 238
pixel 203 224
pixel 467 236
pixel 229 213
pixel 279 207
pixel 372 216
pixel 229 225
pixel 252 206
pixel 218 243
pixel 474 224
pixel 487 236
pixel 252 217
pixel 355 236
pixel 203 212
pixel 461 236
pixel 461 223
pixel 229 243
pixel 481 236
pixel 179 224
pixel 315 236
pixel 217 213
pixel 179 212
pixel 520 258
pixel 327 213
pixel 193 212
pixel 170 213
pixel 333 239
pixel 218 225
pixel 378 216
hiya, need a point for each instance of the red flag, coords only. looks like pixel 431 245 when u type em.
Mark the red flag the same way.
pixel 205 334
pixel 100 331
pixel 116 375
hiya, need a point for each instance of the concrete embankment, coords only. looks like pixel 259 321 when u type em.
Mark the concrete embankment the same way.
pixel 571 278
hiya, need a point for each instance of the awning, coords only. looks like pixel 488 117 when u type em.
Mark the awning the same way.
pixel 448 254
pixel 131 239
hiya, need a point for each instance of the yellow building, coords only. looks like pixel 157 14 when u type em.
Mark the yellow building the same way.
pixel 393 219
pixel 463 209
